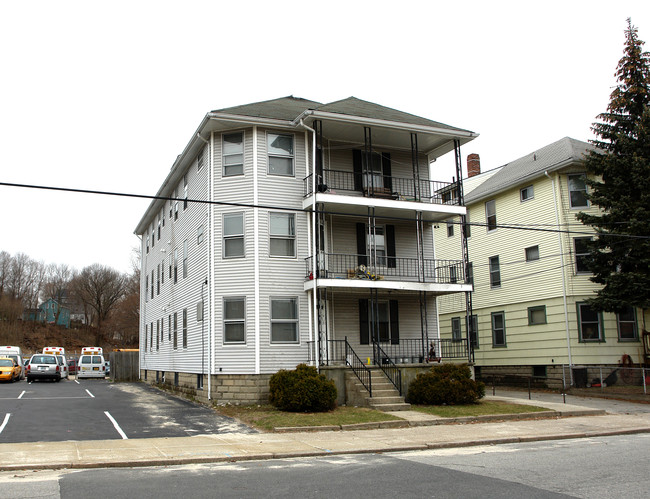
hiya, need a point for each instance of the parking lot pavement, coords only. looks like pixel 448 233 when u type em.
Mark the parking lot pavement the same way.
pixel 96 409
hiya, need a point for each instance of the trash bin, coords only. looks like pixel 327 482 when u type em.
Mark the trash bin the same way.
pixel 580 377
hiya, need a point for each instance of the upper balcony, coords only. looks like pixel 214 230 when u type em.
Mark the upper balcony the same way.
pixel 337 270
pixel 356 192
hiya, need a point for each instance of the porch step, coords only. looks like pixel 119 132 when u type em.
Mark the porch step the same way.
pixel 385 397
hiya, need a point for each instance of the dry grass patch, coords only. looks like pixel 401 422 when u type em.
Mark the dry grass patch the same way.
pixel 267 417
pixel 482 408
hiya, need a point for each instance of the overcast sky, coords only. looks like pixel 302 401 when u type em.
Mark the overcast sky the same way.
pixel 105 95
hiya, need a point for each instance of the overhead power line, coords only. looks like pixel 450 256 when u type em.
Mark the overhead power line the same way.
pixel 285 208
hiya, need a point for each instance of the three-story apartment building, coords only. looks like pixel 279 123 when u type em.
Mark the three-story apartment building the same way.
pixel 290 231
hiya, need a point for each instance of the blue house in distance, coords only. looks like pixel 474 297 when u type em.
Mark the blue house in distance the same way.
pixel 48 311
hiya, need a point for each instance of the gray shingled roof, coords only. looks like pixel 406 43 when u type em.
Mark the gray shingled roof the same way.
pixel 357 107
pixel 289 108
pixel 284 108
pixel 549 158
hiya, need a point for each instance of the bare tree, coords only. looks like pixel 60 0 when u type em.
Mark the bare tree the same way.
pixel 57 286
pixel 100 288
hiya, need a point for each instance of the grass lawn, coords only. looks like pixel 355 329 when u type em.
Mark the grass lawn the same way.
pixel 482 408
pixel 267 417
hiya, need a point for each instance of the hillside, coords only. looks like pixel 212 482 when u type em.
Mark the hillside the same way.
pixel 32 337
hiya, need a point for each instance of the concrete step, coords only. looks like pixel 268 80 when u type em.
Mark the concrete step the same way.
pixel 403 406
pixel 385 400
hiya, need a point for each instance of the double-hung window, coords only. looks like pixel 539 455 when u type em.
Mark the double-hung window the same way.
pixel 233 235
pixel 184 328
pixel 280 151
pixel 175 343
pixel 199 160
pixel 175 265
pixel 284 320
pixel 626 322
pixel 158 279
pixel 175 204
pixel 146 288
pixel 199 234
pixel 234 320
pixel 450 228
pixel 491 215
pixel 185 259
pixel 578 191
pixel 498 329
pixel 590 323
pixel 185 189
pixel 233 154
pixel 282 234
pixel 473 333
pixel 581 248
pixel 495 272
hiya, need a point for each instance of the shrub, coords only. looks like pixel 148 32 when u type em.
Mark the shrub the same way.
pixel 302 390
pixel 449 384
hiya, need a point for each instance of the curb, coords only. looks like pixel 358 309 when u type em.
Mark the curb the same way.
pixel 316 453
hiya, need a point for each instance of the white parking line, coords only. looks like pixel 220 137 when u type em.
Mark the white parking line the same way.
pixel 21 395
pixel 76 381
pixel 88 392
pixel 4 423
pixel 117 427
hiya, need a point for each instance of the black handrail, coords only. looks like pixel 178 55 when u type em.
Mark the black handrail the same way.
pixel 390 268
pixel 389 368
pixel 361 371
pixel 402 188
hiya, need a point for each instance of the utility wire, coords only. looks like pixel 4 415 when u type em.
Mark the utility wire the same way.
pixel 284 208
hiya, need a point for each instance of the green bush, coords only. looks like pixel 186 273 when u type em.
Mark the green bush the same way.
pixel 450 384
pixel 302 390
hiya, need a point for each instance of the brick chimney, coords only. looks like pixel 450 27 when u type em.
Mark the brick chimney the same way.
pixel 473 165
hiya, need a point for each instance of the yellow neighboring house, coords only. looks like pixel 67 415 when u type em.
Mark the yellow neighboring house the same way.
pixel 530 286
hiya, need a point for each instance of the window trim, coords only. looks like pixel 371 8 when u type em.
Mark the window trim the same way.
pixel 456 331
pixel 199 234
pixel 185 328
pixel 503 316
pixel 283 237
pixel 450 228
pixel 601 329
pixel 283 321
pixel 474 340
pixel 285 156
pixel 224 155
pixel 225 236
pixel 533 309
pixel 233 321
pixel 521 193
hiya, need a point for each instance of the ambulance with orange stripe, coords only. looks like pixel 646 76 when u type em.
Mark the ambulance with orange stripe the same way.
pixel 91 363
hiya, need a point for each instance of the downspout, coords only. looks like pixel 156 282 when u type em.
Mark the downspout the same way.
pixel 559 240
pixel 208 279
pixel 313 243
pixel 256 253
pixel 143 307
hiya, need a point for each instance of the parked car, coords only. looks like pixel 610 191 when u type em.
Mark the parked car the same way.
pixel 72 366
pixel 43 366
pixel 64 365
pixel 108 367
pixel 9 370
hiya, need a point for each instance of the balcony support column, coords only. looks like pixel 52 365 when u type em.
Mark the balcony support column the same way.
pixel 463 241
pixel 366 162
pixel 416 167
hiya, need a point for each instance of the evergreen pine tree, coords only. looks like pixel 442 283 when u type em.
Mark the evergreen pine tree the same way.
pixel 620 186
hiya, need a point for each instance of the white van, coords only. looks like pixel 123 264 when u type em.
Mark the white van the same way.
pixel 91 366
pixel 63 364
pixel 14 353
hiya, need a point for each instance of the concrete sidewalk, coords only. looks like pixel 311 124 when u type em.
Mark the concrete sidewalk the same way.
pixel 422 432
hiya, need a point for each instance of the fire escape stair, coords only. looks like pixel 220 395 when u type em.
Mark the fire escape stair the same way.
pixel 385 397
